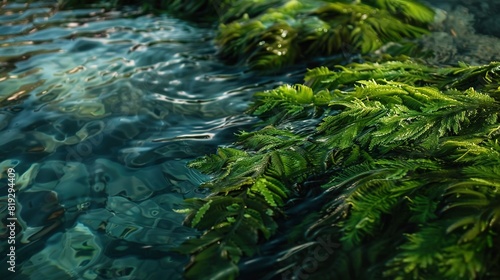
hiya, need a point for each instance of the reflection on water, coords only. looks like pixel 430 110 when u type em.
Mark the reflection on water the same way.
pixel 99 113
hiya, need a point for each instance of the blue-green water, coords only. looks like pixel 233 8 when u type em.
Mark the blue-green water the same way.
pixel 99 113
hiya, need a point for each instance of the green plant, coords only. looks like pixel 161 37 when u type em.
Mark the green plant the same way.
pixel 292 30
pixel 248 191
pixel 407 156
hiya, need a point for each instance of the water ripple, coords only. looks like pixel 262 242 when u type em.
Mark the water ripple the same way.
pixel 99 112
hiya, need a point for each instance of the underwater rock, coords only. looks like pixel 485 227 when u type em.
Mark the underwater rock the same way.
pixel 460 38
pixel 37 214
pixel 152 221
pixel 78 253
pixel 49 135
pixel 40 212
pixel 141 267
pixel 485 13
pixel 119 180
pixel 67 255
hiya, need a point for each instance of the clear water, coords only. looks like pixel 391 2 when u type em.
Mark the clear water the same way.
pixel 99 113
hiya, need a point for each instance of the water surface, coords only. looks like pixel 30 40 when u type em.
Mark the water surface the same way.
pixel 99 113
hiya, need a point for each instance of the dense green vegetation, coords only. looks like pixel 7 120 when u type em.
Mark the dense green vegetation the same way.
pixel 407 156
pixel 299 30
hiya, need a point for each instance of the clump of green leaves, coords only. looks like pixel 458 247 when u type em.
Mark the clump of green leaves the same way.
pixel 250 188
pixel 408 157
pixel 294 30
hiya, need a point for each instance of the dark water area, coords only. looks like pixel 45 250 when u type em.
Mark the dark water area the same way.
pixel 99 113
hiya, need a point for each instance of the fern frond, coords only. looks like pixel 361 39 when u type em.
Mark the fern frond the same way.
pixel 316 76
pixel 200 213
pixel 433 115
pixel 288 103
pixel 410 10
pixel 343 129
pixel 411 166
pixel 269 138
pixel 424 209
pixel 261 187
pixel 212 164
pixel 371 190
pixel 475 200
pixel 364 27
pixel 368 203
pixel 233 227
pixel 420 254
pixel 433 252
pixel 239 9
pixel 465 261
pixel 465 76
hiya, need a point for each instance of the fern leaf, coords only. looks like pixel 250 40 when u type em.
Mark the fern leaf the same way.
pixel 316 76
pixel 420 252
pixel 424 209
pixel 200 213
pixel 260 187
pixel 269 138
pixel 207 267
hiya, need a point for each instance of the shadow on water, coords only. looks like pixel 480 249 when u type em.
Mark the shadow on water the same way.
pixel 99 113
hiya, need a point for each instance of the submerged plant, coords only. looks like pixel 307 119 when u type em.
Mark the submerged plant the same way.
pixel 408 159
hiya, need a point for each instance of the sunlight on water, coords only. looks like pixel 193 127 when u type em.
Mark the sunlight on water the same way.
pixel 99 114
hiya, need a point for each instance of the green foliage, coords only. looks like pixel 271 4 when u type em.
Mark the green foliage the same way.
pixel 433 175
pixel 409 161
pixel 364 27
pixel 290 102
pixel 345 78
pixel 239 9
pixel 248 193
pixel 410 11
pixel 289 31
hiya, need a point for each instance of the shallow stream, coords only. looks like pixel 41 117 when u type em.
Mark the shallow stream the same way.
pixel 99 114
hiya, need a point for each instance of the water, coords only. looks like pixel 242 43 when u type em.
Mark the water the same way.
pixel 99 113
